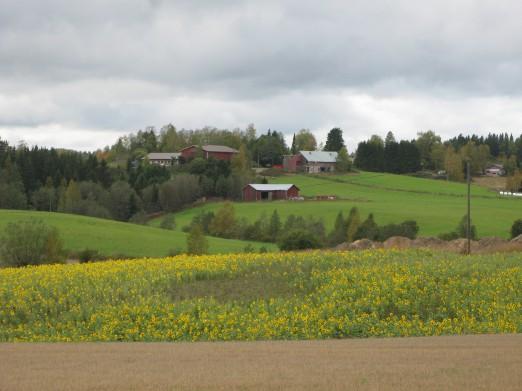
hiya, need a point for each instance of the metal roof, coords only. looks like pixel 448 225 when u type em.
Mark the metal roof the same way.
pixel 271 187
pixel 213 148
pixel 218 148
pixel 163 155
pixel 319 156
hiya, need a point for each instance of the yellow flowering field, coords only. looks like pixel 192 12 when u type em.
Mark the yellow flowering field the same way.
pixel 305 295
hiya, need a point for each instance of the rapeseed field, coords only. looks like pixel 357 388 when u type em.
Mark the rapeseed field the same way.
pixel 307 295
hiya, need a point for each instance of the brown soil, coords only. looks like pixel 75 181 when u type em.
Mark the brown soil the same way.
pixel 496 183
pixel 482 362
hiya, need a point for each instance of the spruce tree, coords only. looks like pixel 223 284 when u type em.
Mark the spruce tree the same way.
pixel 275 225
pixel 338 235
pixel 334 140
pixel 352 224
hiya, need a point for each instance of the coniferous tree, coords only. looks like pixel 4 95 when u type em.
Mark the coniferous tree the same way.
pixel 338 235
pixel 368 229
pixel 275 226
pixel 334 140
pixel 293 149
pixel 352 224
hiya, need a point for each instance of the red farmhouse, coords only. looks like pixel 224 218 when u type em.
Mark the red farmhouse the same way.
pixel 219 152
pixel 269 192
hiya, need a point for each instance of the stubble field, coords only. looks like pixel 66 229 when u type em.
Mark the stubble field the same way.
pixel 479 362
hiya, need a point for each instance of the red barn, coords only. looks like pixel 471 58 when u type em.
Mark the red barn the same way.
pixel 219 152
pixel 269 192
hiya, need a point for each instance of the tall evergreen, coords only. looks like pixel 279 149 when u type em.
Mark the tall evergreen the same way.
pixel 334 140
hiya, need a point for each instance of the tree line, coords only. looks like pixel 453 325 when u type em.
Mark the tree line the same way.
pixel 429 152
pixel 296 232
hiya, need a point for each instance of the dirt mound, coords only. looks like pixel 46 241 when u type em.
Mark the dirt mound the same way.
pixel 362 244
pixel 485 245
pixel 517 239
pixel 342 247
pixel 490 242
pixel 461 246
pixel 428 242
pixel 397 242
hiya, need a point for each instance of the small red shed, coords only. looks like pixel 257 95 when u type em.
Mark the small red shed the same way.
pixel 269 192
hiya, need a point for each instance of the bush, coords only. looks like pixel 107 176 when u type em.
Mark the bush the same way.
pixel 249 248
pixel 90 255
pixel 516 228
pixel 168 222
pixel 298 239
pixel 408 229
pixel 30 243
pixel 174 251
pixel 460 231
pixel 197 243
pixel 224 222
pixel 139 218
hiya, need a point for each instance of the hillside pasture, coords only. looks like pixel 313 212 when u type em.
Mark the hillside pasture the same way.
pixel 436 205
pixel 113 238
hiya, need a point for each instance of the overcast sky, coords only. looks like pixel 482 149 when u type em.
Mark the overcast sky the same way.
pixel 81 73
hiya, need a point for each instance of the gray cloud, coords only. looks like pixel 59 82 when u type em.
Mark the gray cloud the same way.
pixel 120 65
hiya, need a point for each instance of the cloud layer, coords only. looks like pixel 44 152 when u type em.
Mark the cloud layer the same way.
pixel 77 74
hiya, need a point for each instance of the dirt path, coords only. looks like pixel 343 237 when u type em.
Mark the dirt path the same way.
pixel 487 362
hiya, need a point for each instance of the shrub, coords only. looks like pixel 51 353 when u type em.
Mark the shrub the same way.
pixel 516 228
pixel 460 231
pixel 196 241
pixel 249 248
pixel 463 227
pixel 174 252
pixel 89 255
pixel 408 229
pixel 139 218
pixel 168 222
pixel 298 239
pixel 224 222
pixel 30 243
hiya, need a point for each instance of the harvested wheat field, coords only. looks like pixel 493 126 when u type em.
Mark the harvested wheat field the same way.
pixel 480 362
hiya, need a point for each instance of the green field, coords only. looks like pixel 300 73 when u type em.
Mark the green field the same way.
pixel 116 238
pixel 437 206
pixel 300 295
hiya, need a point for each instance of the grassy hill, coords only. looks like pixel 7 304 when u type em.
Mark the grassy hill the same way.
pixel 116 238
pixel 437 206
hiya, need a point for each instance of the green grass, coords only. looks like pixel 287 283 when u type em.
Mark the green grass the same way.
pixel 437 206
pixel 117 238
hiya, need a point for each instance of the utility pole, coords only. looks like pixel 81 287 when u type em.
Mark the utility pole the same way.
pixel 468 228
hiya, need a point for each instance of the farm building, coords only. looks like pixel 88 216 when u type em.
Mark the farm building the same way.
pixel 310 162
pixel 269 192
pixel 163 159
pixel 219 152
pixel 495 170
